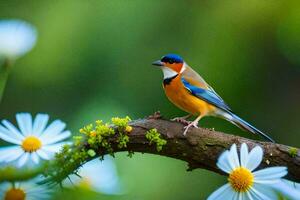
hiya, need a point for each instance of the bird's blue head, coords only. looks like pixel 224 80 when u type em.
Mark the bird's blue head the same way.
pixel 172 58
pixel 172 61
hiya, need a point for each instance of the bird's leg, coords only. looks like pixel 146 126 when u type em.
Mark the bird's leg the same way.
pixel 183 119
pixel 192 124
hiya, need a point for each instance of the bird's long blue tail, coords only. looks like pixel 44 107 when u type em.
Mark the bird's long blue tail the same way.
pixel 239 122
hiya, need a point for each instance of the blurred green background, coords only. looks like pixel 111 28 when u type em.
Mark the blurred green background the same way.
pixel 93 61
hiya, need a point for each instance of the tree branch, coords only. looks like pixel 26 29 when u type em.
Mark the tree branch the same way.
pixel 202 147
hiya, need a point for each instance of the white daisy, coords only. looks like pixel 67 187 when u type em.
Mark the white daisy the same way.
pixel 99 176
pixel 33 141
pixel 244 183
pixel 16 38
pixel 27 190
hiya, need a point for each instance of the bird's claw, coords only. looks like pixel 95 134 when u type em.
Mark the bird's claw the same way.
pixel 181 120
pixel 192 124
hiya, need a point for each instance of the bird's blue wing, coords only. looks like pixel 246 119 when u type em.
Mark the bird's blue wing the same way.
pixel 207 95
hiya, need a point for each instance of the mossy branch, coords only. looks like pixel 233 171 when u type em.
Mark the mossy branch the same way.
pixel 200 148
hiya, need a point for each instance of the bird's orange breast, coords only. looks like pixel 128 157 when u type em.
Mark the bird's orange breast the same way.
pixel 182 98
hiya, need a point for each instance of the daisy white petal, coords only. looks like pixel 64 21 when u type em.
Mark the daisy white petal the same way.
pixel 25 123
pixel 244 154
pixel 255 158
pixel 40 123
pixel 224 192
pixel 11 130
pixel 54 147
pixel 8 137
pixel 43 154
pixel 11 127
pixel 34 157
pixel 6 152
pixel 242 196
pixel 50 154
pixel 235 196
pixel 239 196
pixel 53 129
pixel 14 155
pixel 249 196
pixel 260 192
pixel 58 138
pixel 233 157
pixel 256 195
pixel 269 174
pixel 23 159
pixel 288 189
pixel 291 184
pixel 266 189
pixel 223 162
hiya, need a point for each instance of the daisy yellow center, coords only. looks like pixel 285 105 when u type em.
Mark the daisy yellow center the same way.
pixel 241 179
pixel 15 194
pixel 31 144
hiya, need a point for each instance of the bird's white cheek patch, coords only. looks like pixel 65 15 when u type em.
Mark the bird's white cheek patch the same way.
pixel 168 73
pixel 183 67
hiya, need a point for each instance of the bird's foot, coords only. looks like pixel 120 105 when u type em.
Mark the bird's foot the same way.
pixel 191 124
pixel 182 120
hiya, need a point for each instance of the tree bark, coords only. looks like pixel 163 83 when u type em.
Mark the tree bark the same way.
pixel 202 147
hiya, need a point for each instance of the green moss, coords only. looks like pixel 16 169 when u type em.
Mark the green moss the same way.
pixel 91 152
pixel 121 123
pixel 65 163
pixel 123 139
pixel 154 137
pixel 98 137
pixel 77 140
pixel 123 129
pixel 293 152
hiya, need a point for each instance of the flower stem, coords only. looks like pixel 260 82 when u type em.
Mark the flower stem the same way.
pixel 4 71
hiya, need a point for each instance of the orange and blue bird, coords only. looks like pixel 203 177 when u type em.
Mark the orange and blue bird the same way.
pixel 188 90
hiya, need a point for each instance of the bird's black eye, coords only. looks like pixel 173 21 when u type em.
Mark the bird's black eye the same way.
pixel 171 61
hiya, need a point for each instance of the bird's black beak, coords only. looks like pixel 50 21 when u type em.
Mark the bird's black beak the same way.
pixel 158 63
